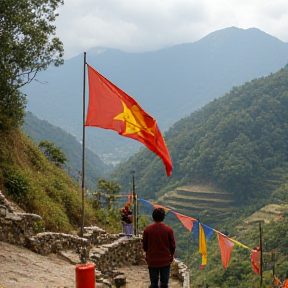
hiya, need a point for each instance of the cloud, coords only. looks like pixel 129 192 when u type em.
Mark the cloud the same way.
pixel 145 25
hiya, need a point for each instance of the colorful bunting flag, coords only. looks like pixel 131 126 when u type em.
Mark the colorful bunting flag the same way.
pixel 202 246
pixel 185 220
pixel 226 247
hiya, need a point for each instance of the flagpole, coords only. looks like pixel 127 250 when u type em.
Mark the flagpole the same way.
pixel 134 206
pixel 83 147
pixel 261 254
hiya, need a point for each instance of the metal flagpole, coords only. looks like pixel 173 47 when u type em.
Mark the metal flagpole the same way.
pixel 83 148
pixel 134 207
pixel 261 256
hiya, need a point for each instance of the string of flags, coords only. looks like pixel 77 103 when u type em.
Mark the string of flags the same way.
pixel 202 233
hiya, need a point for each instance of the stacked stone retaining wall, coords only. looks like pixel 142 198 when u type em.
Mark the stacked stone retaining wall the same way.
pixel 122 252
pixel 15 227
pixel 48 242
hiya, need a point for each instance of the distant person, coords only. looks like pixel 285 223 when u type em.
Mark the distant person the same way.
pixel 126 217
pixel 159 245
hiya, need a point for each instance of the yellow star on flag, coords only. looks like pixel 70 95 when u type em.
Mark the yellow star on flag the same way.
pixel 134 120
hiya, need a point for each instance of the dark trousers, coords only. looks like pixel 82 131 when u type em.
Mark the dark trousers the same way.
pixel 164 273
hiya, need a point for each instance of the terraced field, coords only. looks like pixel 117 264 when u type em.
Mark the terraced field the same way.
pixel 200 201
pixel 210 204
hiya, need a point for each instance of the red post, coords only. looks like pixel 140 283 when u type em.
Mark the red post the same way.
pixel 85 276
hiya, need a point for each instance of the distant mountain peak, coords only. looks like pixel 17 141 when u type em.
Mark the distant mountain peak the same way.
pixel 232 37
pixel 97 50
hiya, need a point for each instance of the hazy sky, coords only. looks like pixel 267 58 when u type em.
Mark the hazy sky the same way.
pixel 145 25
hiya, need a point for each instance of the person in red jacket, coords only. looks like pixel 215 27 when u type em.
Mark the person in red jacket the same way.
pixel 159 245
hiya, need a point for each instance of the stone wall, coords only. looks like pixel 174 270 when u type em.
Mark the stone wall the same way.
pixel 98 236
pixel 122 252
pixel 48 242
pixel 181 271
pixel 15 227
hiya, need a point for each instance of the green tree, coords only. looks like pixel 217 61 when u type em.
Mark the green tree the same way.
pixel 27 46
pixel 12 107
pixel 53 153
pixel 110 189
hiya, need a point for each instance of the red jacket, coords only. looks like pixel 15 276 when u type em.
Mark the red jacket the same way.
pixel 159 244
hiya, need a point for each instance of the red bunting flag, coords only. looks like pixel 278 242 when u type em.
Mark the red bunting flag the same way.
pixel 256 260
pixel 226 247
pixel 185 220
pixel 111 108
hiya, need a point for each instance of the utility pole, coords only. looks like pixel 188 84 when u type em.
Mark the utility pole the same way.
pixel 261 256
pixel 135 222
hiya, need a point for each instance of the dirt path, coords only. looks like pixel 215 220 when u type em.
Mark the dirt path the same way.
pixel 138 277
pixel 21 268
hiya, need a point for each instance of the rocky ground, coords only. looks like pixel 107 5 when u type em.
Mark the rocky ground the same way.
pixel 21 268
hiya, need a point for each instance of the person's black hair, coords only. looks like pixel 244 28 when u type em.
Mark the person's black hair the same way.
pixel 158 214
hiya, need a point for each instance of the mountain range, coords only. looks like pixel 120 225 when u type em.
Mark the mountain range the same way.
pixel 169 84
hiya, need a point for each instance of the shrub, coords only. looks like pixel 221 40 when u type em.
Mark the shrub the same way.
pixel 17 185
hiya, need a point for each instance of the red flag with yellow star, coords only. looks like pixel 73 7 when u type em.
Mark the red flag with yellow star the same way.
pixel 111 108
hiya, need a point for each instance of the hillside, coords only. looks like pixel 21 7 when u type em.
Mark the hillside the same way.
pixel 238 143
pixel 41 130
pixel 169 84
pixel 38 186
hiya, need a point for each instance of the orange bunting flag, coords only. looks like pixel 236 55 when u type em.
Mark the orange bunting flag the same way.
pixel 159 206
pixel 226 247
pixel 111 108
pixel 185 220
pixel 202 246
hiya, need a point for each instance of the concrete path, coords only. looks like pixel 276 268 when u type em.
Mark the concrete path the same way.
pixel 21 268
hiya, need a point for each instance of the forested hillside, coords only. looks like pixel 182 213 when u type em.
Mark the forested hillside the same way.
pixel 239 142
pixel 41 130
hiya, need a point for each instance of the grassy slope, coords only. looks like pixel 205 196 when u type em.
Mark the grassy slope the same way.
pixel 38 186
